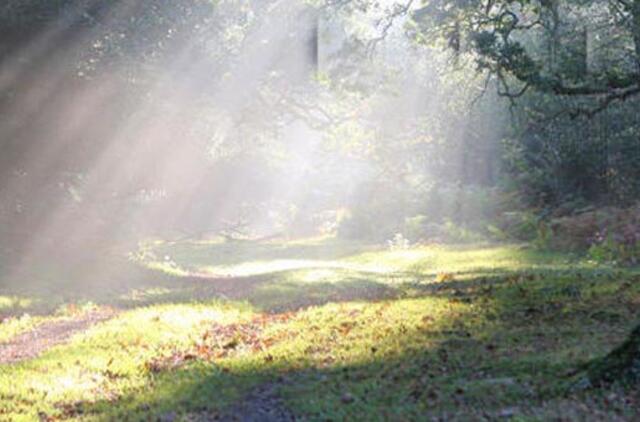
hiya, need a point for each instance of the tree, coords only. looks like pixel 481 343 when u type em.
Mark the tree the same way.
pixel 106 103
pixel 560 47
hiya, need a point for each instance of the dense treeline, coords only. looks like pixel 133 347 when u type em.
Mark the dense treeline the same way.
pixel 102 105
pixel 535 109
pixel 452 120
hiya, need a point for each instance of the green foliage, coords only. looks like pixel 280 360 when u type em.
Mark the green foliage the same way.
pixel 377 212
pixel 416 227
pixel 569 70
pixel 557 160
pixel 450 232
pixel 544 235
pixel 520 225
pixel 620 247
pixel 607 251
pixel 443 214
pixel 547 46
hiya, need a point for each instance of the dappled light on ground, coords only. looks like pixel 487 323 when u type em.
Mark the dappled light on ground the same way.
pixel 319 210
pixel 238 258
pixel 335 341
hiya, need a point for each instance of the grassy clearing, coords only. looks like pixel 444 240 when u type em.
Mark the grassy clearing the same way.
pixel 454 332
pixel 107 362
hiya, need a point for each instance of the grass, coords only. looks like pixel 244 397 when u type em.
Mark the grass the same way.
pixel 351 331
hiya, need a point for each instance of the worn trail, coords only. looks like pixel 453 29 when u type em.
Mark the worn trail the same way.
pixel 47 335
pixel 262 404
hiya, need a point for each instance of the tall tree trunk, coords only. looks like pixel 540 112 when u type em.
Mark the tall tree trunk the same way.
pixel 635 14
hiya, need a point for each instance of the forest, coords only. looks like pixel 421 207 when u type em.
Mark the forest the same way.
pixel 319 210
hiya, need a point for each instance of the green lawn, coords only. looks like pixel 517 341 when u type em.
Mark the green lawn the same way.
pixel 348 330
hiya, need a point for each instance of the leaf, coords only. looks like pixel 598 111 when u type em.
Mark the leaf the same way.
pixel 444 277
pixel 232 344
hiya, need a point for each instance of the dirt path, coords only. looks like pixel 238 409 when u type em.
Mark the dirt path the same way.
pixel 32 343
pixel 262 404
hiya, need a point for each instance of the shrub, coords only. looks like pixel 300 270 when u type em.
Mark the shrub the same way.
pixel 520 225
pixel 377 212
pixel 607 234
pixel 415 228
pixel 622 245
pixel 420 230
pixel 398 242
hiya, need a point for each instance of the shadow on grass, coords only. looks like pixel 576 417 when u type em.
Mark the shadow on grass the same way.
pixel 521 332
pixel 273 293
pixel 495 355
pixel 133 286
pixel 124 284
pixel 400 381
pixel 41 287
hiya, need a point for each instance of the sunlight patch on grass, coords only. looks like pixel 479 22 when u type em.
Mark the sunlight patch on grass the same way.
pixel 276 266
pixel 18 320
pixel 356 333
pixel 438 258
pixel 244 259
pixel 11 327
pixel 323 274
pixel 107 361
pixel 144 295
pixel 395 259
pixel 169 268
pixel 15 302
pixel 354 342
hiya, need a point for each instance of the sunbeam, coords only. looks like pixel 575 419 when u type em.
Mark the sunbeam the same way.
pixel 319 210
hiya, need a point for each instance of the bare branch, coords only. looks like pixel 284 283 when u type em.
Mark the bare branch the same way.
pixel 387 23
